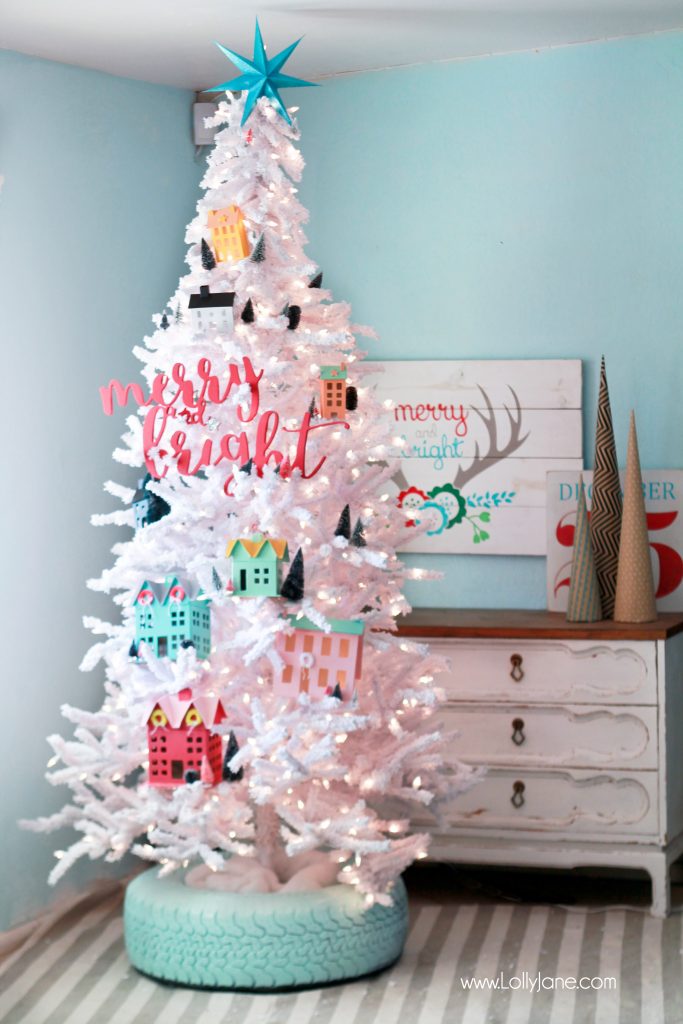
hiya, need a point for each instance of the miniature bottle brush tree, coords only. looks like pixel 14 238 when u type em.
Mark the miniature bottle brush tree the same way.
pixel 295 716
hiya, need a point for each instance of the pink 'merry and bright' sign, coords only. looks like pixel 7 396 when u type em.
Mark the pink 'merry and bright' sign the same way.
pixel 663 492
pixel 189 399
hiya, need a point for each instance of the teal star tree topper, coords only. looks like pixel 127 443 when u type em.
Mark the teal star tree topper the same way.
pixel 260 76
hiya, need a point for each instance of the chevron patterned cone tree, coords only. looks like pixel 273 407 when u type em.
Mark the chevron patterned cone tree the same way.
pixel 606 505
pixel 635 596
pixel 584 592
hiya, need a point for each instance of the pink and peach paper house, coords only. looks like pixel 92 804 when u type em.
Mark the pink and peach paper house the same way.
pixel 180 740
pixel 317 662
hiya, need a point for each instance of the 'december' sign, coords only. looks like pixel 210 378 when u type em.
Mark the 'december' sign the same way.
pixel 663 493
pixel 480 437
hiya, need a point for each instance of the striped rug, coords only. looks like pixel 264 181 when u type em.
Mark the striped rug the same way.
pixel 74 971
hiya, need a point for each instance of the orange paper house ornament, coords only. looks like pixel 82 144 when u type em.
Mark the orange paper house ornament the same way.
pixel 333 392
pixel 228 234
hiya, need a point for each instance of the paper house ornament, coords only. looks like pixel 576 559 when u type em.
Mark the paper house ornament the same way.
pixel 228 234
pixel 333 392
pixel 317 662
pixel 147 507
pixel 211 310
pixel 256 565
pixel 180 740
pixel 170 613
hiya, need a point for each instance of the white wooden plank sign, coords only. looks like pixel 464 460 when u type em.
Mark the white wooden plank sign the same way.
pixel 663 491
pixel 478 438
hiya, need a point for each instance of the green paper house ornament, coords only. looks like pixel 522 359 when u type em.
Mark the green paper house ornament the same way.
pixel 169 614
pixel 583 604
pixel 256 565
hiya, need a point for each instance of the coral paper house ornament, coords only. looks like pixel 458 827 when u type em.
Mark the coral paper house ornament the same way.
pixel 317 662
pixel 228 234
pixel 171 613
pixel 333 392
pixel 181 746
pixel 211 310
pixel 256 565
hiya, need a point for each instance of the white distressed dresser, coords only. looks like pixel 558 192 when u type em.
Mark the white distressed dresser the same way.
pixel 581 727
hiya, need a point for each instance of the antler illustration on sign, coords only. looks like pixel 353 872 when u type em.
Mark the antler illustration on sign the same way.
pixel 495 453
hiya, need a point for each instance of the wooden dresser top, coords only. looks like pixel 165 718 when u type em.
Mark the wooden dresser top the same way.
pixel 517 624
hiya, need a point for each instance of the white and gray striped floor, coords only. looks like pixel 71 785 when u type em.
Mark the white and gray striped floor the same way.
pixel 74 969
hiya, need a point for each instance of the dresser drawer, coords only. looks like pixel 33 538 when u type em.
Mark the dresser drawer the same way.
pixel 578 802
pixel 576 672
pixel 574 735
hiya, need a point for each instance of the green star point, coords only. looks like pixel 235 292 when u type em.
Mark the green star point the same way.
pixel 260 76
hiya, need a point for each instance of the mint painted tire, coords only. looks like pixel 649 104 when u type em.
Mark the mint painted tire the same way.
pixel 258 941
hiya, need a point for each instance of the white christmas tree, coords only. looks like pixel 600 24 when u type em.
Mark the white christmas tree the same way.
pixel 239 441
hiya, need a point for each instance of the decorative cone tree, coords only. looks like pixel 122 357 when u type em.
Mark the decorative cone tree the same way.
pixel 306 773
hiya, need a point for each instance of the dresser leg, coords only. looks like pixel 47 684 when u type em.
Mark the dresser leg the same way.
pixel 661 888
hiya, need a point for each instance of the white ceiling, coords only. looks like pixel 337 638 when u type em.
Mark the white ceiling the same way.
pixel 170 41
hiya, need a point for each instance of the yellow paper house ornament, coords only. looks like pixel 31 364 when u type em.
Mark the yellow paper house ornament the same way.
pixel 228 234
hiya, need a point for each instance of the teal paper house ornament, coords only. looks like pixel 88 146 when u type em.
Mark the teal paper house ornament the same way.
pixel 171 613
pixel 256 565
pixel 147 507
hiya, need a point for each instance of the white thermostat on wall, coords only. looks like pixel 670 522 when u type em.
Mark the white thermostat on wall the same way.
pixel 203 136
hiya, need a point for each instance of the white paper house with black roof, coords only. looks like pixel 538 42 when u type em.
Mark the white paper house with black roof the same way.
pixel 211 310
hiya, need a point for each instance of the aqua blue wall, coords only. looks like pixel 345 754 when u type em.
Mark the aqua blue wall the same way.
pixel 100 181
pixel 519 206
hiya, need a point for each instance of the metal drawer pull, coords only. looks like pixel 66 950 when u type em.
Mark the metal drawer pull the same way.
pixel 518 736
pixel 516 672
pixel 517 798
